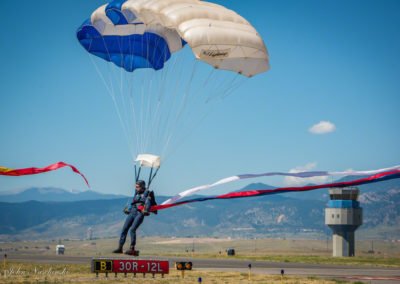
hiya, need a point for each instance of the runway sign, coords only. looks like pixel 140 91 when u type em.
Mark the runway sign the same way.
pixel 111 265
pixel 102 265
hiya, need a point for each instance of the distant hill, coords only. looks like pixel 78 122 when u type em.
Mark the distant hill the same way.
pixel 58 194
pixel 322 194
pixel 267 216
pixel 53 194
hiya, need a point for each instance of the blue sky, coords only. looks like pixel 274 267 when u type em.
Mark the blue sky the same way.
pixel 333 61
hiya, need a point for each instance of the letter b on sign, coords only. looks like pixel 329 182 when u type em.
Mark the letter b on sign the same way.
pixel 103 266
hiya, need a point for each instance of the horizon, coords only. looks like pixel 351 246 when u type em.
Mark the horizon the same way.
pixel 21 190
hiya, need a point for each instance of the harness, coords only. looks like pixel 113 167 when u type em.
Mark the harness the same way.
pixel 141 201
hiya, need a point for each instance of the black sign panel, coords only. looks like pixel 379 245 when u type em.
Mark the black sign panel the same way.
pixel 102 266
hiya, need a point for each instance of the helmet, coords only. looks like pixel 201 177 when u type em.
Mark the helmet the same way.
pixel 141 183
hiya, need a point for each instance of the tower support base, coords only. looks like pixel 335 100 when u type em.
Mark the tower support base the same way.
pixel 343 243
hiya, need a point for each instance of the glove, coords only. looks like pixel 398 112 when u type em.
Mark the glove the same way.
pixel 145 213
pixel 125 211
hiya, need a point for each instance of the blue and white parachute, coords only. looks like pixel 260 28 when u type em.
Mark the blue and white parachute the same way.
pixel 143 34
pixel 167 47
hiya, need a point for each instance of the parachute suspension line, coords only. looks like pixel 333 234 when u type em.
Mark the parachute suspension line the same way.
pixel 117 108
pixel 224 83
pixel 207 80
pixel 133 118
pixel 235 85
pixel 153 113
pixel 100 74
pixel 159 97
pixel 151 96
pixel 189 127
pixel 159 121
pixel 144 106
pixel 136 96
pixel 175 101
pixel 146 118
pixel 201 103
pixel 182 106
pixel 154 117
pixel 98 70
pixel 149 110
pixel 141 113
pixel 110 91
pixel 131 94
pixel 118 98
pixel 162 123
pixel 187 132
pixel 161 101
pixel 224 91
pixel 217 94
pixel 124 105
pixel 164 77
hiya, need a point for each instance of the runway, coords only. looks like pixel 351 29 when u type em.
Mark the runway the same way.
pixel 377 275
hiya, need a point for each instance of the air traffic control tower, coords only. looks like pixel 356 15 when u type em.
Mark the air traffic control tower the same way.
pixel 343 215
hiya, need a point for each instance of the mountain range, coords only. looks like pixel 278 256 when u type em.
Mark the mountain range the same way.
pixel 53 194
pixel 57 213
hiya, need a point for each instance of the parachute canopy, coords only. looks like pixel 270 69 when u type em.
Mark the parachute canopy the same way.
pixel 144 33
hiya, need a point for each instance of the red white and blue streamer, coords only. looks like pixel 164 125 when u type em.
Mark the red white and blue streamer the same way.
pixel 372 179
pixel 194 190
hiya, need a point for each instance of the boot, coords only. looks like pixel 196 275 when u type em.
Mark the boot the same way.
pixel 132 251
pixel 118 250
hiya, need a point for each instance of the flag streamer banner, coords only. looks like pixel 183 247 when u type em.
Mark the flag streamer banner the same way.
pixel 33 171
pixel 194 190
pixel 372 179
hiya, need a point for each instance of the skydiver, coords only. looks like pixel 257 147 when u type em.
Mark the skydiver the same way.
pixel 142 197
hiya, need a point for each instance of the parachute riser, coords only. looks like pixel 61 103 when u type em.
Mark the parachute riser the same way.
pixel 148 183
pixel 151 175
pixel 137 174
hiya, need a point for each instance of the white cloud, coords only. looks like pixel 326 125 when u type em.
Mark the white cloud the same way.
pixel 295 181
pixel 322 127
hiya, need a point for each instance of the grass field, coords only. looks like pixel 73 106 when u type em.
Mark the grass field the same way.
pixel 277 250
pixel 15 272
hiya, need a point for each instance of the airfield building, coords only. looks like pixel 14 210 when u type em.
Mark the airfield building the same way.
pixel 343 215
pixel 60 249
